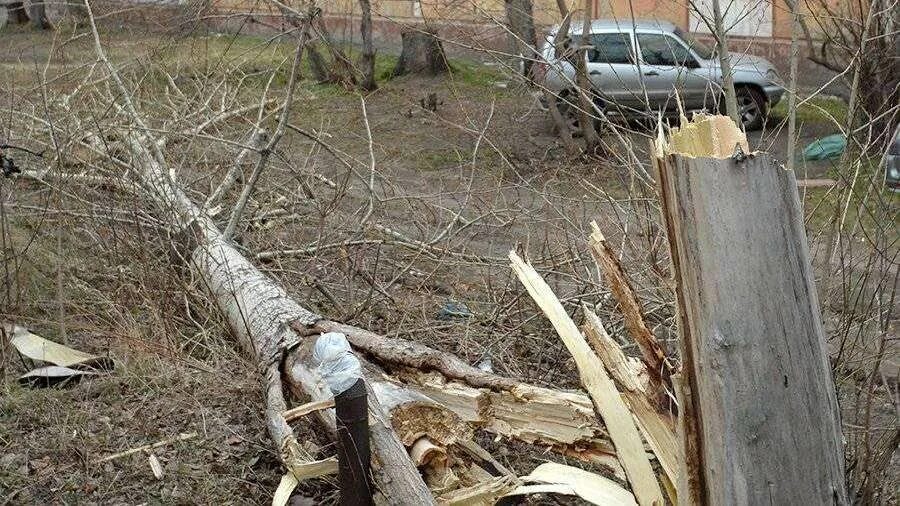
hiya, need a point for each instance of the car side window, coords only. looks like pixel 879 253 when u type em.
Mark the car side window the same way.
pixel 659 49
pixel 610 48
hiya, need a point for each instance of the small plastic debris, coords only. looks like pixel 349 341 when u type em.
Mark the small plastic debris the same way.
pixel 454 309
pixel 52 375
pixel 486 364
pixel 825 148
pixel 338 366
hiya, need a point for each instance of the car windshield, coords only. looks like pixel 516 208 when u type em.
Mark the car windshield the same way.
pixel 700 48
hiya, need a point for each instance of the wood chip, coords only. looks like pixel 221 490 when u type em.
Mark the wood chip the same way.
pixel 155 466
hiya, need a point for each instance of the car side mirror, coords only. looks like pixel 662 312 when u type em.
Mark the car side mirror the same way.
pixel 692 63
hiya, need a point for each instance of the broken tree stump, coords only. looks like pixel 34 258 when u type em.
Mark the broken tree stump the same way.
pixel 760 415
pixel 422 53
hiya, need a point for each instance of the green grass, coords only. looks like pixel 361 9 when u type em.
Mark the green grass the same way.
pixel 819 110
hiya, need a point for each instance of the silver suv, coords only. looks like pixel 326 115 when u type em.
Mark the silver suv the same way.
pixel 636 69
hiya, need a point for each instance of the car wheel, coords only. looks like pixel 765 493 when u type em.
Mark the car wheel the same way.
pixel 569 108
pixel 752 107
pixel 567 104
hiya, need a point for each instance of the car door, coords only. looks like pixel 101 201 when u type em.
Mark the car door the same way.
pixel 612 71
pixel 668 65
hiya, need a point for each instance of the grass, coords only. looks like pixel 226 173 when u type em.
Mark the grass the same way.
pixel 823 110
pixel 254 52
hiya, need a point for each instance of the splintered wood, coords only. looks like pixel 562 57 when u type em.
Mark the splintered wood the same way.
pixel 608 402
pixel 704 137
pixel 658 365
pixel 657 427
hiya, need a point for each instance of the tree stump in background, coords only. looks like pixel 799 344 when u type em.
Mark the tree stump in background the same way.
pixel 16 13
pixel 37 12
pixel 422 53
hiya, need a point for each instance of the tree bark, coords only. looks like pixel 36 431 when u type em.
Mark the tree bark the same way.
pixel 585 88
pixel 37 11
pixel 725 63
pixel 520 17
pixel 17 14
pixel 759 393
pixel 422 53
pixel 367 61
pixel 317 64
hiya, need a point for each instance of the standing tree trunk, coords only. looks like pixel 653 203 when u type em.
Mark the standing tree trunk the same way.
pixel 367 61
pixel 520 16
pixel 585 89
pixel 761 418
pixel 37 11
pixel 17 14
pixel 731 107
pixel 792 86
pixel 422 53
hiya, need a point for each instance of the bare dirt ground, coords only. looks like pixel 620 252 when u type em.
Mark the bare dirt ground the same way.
pixel 479 176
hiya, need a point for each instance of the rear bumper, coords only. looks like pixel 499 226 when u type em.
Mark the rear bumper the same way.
pixel 773 93
pixel 892 172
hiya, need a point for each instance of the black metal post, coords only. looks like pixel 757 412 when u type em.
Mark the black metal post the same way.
pixel 352 410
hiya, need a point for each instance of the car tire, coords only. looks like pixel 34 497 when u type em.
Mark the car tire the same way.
pixel 568 104
pixel 753 107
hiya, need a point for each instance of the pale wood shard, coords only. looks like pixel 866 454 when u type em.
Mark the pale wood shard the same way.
pixel 658 365
pixel 591 487
pixel 39 349
pixel 484 493
pixel 658 428
pixel 762 421
pixel 158 444
pixel 285 488
pixel 629 373
pixel 305 409
pixel 607 401
pixel 424 452
pixel 155 466
pixel 300 472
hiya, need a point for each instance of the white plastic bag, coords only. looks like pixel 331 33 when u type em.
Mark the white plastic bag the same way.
pixel 338 366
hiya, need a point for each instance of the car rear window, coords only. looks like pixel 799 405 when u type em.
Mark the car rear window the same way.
pixel 610 48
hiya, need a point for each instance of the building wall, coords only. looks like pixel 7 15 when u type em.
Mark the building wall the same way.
pixel 467 25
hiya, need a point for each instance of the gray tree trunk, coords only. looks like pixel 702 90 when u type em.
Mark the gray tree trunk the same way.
pixel 367 61
pixel 422 53
pixel 520 16
pixel 265 319
pixel 761 417
pixel 17 14
pixel 37 11
pixel 731 107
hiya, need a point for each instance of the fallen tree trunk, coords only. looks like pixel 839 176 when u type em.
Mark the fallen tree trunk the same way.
pixel 262 315
pixel 760 418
